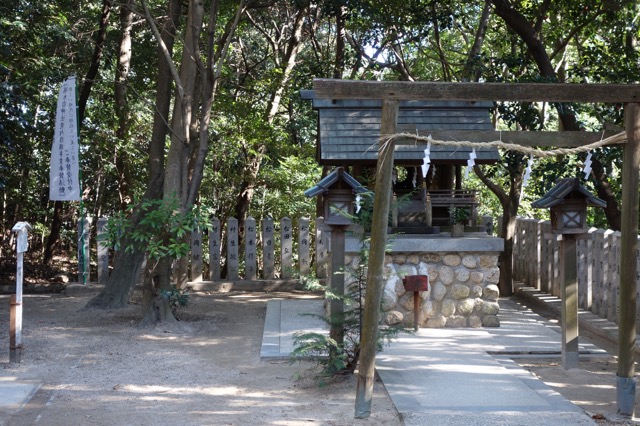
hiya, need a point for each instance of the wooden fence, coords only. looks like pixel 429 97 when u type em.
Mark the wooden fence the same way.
pixel 536 264
pixel 269 250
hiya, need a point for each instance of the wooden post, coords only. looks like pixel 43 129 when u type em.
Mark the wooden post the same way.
pixel 303 246
pixel 196 255
pixel 250 255
pixel 232 249
pixel 268 260
pixel 15 308
pixel 569 322
pixel 214 250
pixel 286 249
pixel 626 382
pixel 103 250
pixel 369 335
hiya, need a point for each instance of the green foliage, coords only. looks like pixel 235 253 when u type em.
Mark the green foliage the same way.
pixel 332 356
pixel 161 230
pixel 43 42
pixel 177 298
pixel 460 215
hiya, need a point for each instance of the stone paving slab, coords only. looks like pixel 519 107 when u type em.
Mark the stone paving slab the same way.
pixel 14 394
pixel 449 376
pixel 284 319
pixel 455 376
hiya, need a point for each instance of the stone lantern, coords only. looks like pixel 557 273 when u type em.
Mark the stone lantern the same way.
pixel 339 190
pixel 568 202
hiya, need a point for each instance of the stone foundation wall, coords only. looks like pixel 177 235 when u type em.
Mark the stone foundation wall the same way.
pixel 463 290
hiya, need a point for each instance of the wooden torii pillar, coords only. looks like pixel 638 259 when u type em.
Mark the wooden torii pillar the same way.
pixel 512 92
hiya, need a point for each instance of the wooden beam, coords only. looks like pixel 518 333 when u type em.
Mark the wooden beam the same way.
pixel 555 139
pixel 375 271
pixel 514 92
pixel 626 382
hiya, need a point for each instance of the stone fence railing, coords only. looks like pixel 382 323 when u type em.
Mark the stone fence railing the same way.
pixel 537 264
pixel 270 250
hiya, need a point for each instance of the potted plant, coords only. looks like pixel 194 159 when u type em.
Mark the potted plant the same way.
pixel 459 218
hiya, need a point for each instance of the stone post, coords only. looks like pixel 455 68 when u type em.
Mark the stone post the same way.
pixel 196 255
pixel 286 248
pixel 103 251
pixel 250 260
pixel 214 250
pixel 232 248
pixel 303 246
pixel 268 252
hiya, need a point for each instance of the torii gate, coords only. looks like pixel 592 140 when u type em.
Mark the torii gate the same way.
pixel 391 92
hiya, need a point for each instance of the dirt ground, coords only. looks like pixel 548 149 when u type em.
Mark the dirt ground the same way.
pixel 100 368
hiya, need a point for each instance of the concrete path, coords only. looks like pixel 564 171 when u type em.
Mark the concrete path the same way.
pixel 457 376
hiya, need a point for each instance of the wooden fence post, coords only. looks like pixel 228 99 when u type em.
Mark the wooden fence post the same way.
pixel 214 250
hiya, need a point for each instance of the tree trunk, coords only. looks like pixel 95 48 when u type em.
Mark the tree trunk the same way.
pixel 506 257
pixel 127 266
pixel 155 308
pixel 54 234
pixel 530 35
pixel 468 73
pixel 510 202
pixel 253 168
pixel 115 293
pixel 121 105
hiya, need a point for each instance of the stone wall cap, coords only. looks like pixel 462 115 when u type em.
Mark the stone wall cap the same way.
pixel 408 244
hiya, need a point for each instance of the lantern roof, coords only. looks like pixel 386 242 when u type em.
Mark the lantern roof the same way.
pixel 568 188
pixel 331 179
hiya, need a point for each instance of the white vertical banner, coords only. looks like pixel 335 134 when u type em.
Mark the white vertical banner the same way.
pixel 64 179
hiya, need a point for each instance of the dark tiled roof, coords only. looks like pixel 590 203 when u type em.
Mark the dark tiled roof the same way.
pixel 349 129
pixel 333 177
pixel 562 190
